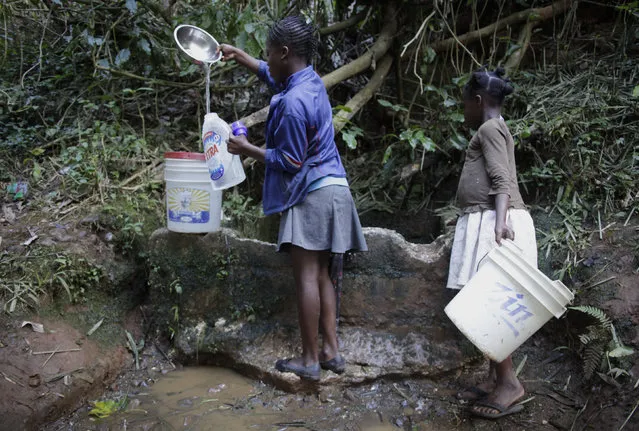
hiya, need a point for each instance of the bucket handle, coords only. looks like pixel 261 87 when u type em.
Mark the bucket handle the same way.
pixel 510 241
pixel 481 260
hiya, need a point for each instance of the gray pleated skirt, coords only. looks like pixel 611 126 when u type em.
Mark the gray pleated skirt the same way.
pixel 326 220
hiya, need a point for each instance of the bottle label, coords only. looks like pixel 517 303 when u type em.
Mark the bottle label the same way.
pixel 187 205
pixel 212 142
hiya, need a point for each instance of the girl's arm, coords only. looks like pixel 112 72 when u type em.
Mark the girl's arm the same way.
pixel 230 52
pixel 287 156
pixel 258 67
pixel 502 230
pixel 494 149
pixel 241 145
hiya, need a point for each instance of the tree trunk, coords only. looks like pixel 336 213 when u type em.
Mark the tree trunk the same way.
pixel 364 95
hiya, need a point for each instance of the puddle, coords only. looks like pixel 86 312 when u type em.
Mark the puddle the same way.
pixel 197 399
pixel 210 398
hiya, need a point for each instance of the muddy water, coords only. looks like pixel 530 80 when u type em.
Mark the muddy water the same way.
pixel 209 398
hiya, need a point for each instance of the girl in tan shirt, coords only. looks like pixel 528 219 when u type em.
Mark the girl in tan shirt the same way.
pixel 493 210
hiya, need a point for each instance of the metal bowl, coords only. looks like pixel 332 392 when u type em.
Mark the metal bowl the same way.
pixel 197 44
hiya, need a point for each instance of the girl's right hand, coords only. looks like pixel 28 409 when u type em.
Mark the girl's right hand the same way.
pixel 503 231
pixel 229 52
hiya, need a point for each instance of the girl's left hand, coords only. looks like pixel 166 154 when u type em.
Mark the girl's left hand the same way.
pixel 238 144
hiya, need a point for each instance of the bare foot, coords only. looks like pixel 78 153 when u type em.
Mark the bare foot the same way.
pixel 502 398
pixel 482 390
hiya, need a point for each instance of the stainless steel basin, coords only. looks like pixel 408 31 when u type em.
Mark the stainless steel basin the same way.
pixel 197 43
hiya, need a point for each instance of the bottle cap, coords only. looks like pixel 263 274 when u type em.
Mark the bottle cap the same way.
pixel 239 128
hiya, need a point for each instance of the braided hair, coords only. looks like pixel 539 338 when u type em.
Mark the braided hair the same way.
pixel 296 34
pixel 491 83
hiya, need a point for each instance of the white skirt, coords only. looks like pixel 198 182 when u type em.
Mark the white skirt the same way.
pixel 475 238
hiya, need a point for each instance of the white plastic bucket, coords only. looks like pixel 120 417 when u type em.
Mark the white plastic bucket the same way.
pixel 506 302
pixel 192 206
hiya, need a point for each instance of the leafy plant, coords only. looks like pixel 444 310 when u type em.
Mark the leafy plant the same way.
pixel 600 343
pixel 104 409
pixel 135 348
pixel 75 276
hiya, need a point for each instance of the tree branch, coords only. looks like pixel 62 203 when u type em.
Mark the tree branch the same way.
pixel 340 26
pixel 357 66
pixel 515 58
pixel 535 15
pixel 364 95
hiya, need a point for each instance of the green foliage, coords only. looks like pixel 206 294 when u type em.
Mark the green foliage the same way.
pixel 104 409
pixel 134 347
pixel 24 279
pixel 600 344
pixel 19 294
pixel 350 133
pixel 76 276
pixel 577 151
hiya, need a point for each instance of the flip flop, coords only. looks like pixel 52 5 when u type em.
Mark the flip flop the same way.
pixel 336 365
pixel 501 410
pixel 312 372
pixel 478 392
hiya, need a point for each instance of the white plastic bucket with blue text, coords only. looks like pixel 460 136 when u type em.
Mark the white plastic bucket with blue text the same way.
pixel 506 302
pixel 192 206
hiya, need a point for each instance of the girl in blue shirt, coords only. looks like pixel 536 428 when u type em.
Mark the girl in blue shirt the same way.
pixel 306 182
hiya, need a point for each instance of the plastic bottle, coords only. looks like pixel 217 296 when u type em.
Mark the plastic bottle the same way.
pixel 225 169
pixel 239 128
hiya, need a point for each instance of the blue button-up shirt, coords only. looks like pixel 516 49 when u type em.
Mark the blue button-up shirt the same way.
pixel 300 141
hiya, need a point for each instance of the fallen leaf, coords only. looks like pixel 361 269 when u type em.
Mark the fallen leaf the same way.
pixel 9 215
pixel 95 327
pixel 103 409
pixel 37 327
pixel 30 240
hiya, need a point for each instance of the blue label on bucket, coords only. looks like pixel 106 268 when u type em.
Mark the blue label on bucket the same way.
pixel 186 205
pixel 512 310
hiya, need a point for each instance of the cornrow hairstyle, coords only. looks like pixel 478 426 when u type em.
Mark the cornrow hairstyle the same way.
pixel 297 35
pixel 491 83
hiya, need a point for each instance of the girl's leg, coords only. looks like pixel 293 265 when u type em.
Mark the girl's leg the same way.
pixel 482 389
pixel 306 270
pixel 328 316
pixel 507 390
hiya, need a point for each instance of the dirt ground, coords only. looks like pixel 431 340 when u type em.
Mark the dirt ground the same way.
pixel 53 392
pixel 556 399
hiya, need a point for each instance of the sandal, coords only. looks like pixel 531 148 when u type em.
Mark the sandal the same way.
pixel 501 410
pixel 336 365
pixel 312 372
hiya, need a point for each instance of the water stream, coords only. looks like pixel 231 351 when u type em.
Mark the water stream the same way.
pixel 207 77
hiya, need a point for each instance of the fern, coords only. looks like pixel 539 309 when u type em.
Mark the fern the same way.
pixel 595 339
pixel 593 357
pixel 595 313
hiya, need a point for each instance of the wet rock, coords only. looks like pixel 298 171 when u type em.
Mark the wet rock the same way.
pixel 133 404
pixel 237 303
pixel 186 402
pixel 350 396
